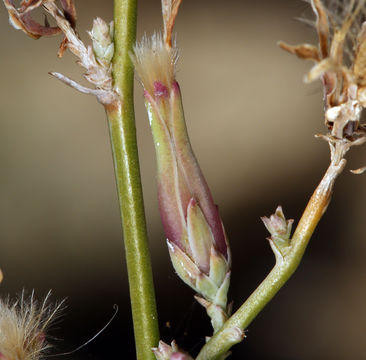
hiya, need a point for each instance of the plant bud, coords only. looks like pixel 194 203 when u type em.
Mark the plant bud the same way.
pixel 279 228
pixel 102 36
pixel 196 238
pixel 167 352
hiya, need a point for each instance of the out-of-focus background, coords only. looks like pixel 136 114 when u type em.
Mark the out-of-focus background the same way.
pixel 252 122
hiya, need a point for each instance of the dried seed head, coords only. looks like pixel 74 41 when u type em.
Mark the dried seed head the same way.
pixel 347 18
pixel 23 327
pixel 340 63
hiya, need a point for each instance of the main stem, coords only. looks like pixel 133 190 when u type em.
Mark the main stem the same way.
pixel 285 266
pixel 122 128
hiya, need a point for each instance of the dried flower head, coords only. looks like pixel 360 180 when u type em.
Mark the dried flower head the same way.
pixel 340 63
pixel 23 327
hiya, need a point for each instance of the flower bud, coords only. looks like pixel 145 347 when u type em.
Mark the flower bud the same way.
pixel 167 352
pixel 279 228
pixel 164 351
pixel 102 36
pixel 196 238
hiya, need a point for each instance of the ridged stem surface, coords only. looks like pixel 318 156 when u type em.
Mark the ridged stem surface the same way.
pixel 121 120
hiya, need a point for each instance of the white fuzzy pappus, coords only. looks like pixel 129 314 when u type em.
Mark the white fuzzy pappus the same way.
pixel 23 326
pixel 154 61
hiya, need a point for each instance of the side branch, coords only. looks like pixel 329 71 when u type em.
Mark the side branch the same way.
pixel 287 261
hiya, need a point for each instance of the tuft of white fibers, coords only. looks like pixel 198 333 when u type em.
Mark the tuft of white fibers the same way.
pixel 154 61
pixel 23 326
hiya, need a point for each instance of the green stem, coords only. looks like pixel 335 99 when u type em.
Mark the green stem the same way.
pixel 121 122
pixel 286 264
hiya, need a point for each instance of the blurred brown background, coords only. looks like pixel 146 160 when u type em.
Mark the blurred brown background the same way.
pixel 251 120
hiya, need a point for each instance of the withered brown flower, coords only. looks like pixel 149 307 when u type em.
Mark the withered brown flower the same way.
pixel 340 63
pixel 20 18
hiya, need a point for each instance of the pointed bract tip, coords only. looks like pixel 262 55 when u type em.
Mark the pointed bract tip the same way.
pixel 357 172
pixel 169 352
pixel 170 11
pixel 277 225
pixel 163 351
pixel 102 37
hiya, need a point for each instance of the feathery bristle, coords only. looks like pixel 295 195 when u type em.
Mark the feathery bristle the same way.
pixel 154 62
pixel 23 326
pixel 347 15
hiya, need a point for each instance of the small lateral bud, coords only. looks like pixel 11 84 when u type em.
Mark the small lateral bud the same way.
pixel 163 351
pixel 169 352
pixel 102 36
pixel 279 228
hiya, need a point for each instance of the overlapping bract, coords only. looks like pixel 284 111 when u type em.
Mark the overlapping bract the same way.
pixel 279 228
pixel 196 238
